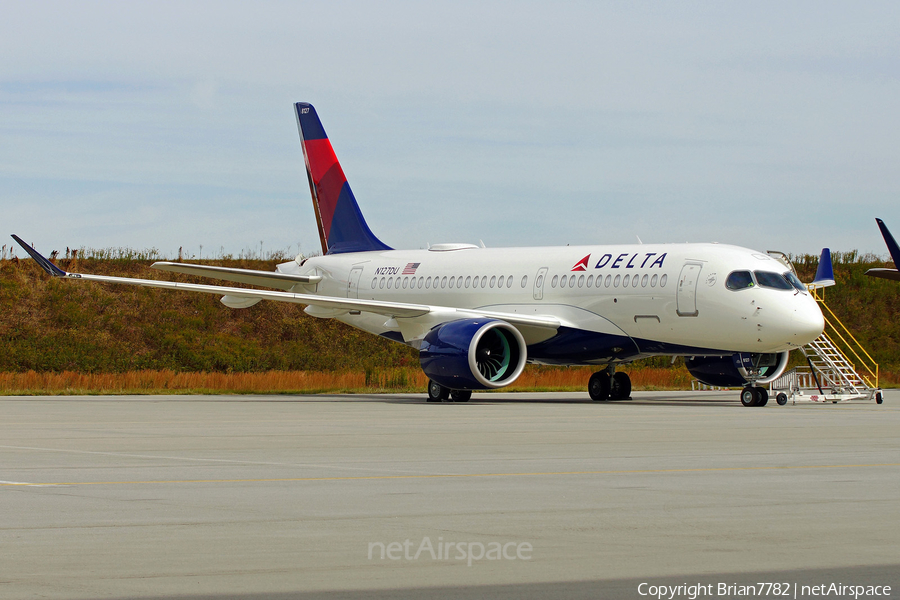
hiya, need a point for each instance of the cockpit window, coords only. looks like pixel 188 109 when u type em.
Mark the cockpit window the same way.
pixel 794 281
pixel 772 280
pixel 739 280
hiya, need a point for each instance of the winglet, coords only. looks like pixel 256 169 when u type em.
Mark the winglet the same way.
pixel 825 272
pixel 45 264
pixel 894 249
pixel 342 227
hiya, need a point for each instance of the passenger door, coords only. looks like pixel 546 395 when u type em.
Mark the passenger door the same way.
pixel 686 294
pixel 539 283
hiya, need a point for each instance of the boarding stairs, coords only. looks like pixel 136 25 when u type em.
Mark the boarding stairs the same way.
pixel 831 375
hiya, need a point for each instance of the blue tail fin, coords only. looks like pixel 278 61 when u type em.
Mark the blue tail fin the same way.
pixel 891 243
pixel 895 255
pixel 825 272
pixel 342 227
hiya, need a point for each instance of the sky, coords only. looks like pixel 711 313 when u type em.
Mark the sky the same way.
pixel 159 125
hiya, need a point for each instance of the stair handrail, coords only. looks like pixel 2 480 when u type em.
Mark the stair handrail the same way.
pixel 848 345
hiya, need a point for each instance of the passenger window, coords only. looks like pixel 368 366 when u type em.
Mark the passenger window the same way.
pixel 616 280
pixel 493 281
pixel 509 280
pixel 452 281
pixel 634 281
pixel 405 282
pixel 374 283
pixel 772 280
pixel 525 280
pixel 653 280
pixel 484 281
pixel 427 283
pixel 625 280
pixel 390 282
pixel 581 281
pixel 443 282
pixel 608 280
pixel 644 281
pixel 468 281
pixel 590 281
pixel 739 280
pixel 381 283
pixel 663 280
pixel 554 280
pixel 563 281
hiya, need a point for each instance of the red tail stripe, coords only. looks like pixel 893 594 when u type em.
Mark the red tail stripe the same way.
pixel 321 158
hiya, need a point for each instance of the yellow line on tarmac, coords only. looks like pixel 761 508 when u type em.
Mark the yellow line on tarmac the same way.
pixel 452 476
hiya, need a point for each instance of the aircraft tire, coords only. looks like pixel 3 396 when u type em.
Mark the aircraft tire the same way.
pixel 437 392
pixel 763 397
pixel 598 386
pixel 749 396
pixel 781 399
pixel 620 388
pixel 460 395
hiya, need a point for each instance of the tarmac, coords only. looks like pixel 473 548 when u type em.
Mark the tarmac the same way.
pixel 388 496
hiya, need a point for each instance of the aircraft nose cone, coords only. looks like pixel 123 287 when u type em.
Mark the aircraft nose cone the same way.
pixel 807 324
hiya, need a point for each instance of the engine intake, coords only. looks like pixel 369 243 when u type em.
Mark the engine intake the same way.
pixel 737 369
pixel 473 354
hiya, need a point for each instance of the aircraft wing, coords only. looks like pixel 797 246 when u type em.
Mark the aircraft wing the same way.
pixel 391 310
pixel 283 281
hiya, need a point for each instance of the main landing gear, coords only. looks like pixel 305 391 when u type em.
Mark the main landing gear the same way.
pixel 757 396
pixel 439 393
pixel 609 385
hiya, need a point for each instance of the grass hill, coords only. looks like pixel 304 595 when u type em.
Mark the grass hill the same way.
pixel 53 326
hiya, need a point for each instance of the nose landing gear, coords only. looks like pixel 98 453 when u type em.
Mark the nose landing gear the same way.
pixel 754 396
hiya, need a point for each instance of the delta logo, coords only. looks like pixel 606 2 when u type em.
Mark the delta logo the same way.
pixel 582 265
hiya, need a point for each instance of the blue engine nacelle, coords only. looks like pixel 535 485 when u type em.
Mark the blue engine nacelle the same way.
pixel 735 370
pixel 473 354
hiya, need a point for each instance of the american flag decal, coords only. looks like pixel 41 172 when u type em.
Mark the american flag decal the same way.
pixel 410 269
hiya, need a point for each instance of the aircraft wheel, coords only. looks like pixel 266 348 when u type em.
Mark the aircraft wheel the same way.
pixel 621 387
pixel 460 395
pixel 749 396
pixel 878 398
pixel 598 386
pixel 437 392
pixel 781 399
pixel 763 397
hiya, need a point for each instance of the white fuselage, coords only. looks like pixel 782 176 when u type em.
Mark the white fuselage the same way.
pixel 616 303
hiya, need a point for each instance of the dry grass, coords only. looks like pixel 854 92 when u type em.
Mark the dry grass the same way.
pixel 302 382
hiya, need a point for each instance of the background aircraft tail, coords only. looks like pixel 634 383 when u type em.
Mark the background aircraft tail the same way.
pixel 342 227
pixel 895 255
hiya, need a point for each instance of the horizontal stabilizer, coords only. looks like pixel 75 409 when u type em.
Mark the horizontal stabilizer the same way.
pixel 281 281
pixel 884 273
pixel 825 272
